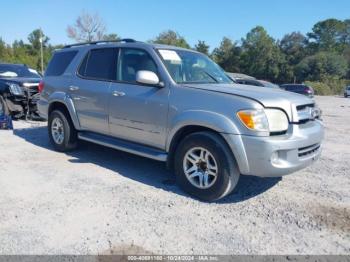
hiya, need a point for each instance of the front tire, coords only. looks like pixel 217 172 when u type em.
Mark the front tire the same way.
pixel 205 167
pixel 62 133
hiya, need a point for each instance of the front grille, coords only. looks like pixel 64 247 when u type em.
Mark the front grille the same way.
pixel 306 113
pixel 31 89
pixel 309 150
pixel 302 107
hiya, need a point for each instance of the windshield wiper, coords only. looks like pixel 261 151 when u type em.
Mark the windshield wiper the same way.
pixel 212 77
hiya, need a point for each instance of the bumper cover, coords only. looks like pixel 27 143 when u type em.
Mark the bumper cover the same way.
pixel 278 155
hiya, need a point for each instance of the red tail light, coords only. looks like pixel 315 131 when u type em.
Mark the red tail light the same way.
pixel 41 86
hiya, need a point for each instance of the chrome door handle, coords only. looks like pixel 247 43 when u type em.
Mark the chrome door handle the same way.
pixel 117 93
pixel 73 88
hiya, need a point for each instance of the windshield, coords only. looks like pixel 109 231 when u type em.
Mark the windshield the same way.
pixel 190 67
pixel 18 71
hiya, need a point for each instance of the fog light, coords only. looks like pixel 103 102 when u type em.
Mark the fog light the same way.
pixel 274 157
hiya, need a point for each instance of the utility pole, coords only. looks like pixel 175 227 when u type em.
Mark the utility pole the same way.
pixel 41 52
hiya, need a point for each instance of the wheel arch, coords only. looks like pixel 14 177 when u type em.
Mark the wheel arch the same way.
pixel 65 104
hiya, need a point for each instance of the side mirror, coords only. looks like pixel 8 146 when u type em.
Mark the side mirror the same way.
pixel 147 77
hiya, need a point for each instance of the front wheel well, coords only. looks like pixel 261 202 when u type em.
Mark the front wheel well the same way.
pixel 181 134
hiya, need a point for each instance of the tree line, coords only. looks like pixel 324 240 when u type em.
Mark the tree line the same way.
pixel 320 57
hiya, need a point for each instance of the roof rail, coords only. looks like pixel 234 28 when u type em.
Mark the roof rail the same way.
pixel 126 40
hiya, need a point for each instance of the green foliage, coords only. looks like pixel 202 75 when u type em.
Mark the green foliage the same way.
pixel 330 34
pixel 202 47
pixel 29 54
pixel 322 65
pixel 261 55
pixel 227 55
pixel 171 38
pixel 320 88
pixel 329 86
pixel 111 37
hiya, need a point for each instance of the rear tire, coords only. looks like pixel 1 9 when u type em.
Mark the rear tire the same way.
pixel 62 133
pixel 205 166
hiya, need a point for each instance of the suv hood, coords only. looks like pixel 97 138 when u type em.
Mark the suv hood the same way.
pixel 20 80
pixel 268 97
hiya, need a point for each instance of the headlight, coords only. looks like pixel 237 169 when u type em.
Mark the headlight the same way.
pixel 254 119
pixel 277 119
pixel 15 89
pixel 270 120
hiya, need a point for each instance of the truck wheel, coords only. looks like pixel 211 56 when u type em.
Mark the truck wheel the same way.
pixel 205 167
pixel 3 107
pixel 62 133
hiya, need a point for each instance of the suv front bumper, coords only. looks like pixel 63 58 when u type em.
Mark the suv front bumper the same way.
pixel 275 156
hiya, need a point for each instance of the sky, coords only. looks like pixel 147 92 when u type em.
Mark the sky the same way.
pixel 143 20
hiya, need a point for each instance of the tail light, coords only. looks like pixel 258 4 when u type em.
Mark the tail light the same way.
pixel 41 86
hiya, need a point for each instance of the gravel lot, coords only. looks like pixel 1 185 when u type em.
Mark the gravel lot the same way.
pixel 99 201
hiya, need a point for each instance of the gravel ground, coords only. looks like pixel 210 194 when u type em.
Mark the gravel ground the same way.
pixel 99 201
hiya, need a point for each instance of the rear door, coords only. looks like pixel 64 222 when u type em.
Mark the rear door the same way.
pixel 90 90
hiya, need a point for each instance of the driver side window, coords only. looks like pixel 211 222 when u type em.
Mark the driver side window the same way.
pixel 133 60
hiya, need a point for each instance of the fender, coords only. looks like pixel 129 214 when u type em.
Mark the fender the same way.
pixel 217 122
pixel 208 119
pixel 66 100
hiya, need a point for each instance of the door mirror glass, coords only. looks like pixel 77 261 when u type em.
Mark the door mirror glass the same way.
pixel 147 77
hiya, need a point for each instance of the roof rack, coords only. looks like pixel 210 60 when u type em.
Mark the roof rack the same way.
pixel 126 40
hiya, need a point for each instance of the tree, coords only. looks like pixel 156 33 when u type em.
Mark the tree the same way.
pixel 261 56
pixel 321 66
pixel 227 55
pixel 329 34
pixel 170 37
pixel 111 37
pixel 87 28
pixel 34 39
pixel 202 47
pixel 294 45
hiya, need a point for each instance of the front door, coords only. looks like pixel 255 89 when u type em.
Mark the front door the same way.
pixel 137 112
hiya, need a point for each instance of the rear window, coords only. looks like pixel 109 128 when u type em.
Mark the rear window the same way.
pixel 59 63
pixel 100 64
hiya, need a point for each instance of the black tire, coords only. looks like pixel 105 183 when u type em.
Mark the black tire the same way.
pixel 3 107
pixel 69 133
pixel 227 174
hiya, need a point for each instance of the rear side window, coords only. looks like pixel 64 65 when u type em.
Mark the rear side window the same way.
pixel 59 63
pixel 100 64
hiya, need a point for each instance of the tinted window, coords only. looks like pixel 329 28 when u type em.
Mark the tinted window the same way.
pixel 59 63
pixel 288 87
pixel 132 61
pixel 100 64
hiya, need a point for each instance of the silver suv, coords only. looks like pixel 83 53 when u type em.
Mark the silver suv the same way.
pixel 176 105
